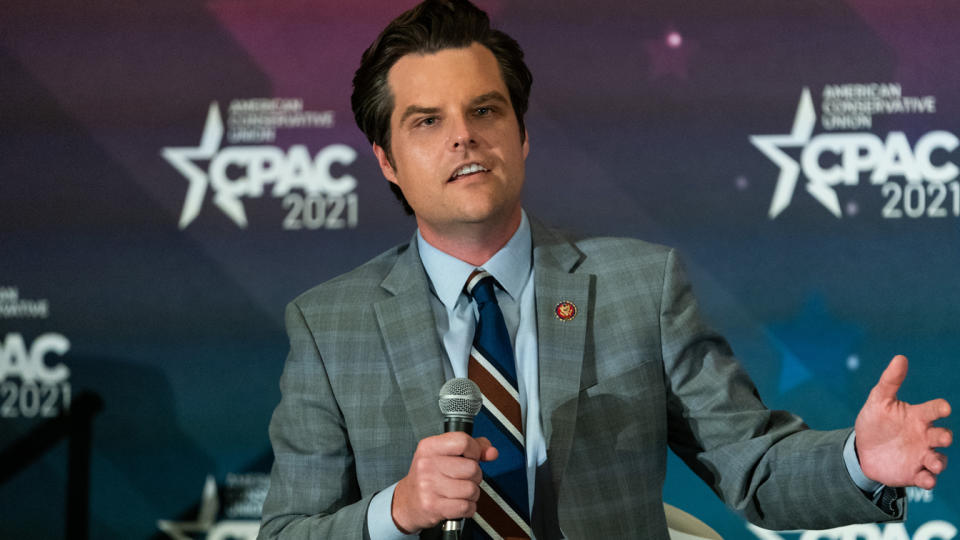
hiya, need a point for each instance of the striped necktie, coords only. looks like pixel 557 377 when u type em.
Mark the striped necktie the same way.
pixel 503 509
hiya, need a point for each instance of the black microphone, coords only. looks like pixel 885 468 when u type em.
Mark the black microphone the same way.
pixel 460 401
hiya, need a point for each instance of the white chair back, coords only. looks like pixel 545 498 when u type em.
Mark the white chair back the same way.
pixel 684 526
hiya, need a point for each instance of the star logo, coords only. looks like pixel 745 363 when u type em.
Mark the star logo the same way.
pixel 771 146
pixel 206 516
pixel 814 344
pixel 183 159
pixel 206 524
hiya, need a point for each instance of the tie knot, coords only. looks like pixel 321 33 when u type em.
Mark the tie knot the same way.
pixel 480 286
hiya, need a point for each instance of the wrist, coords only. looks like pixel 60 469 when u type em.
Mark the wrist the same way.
pixel 393 512
pixel 851 458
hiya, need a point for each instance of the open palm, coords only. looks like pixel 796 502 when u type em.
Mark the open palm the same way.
pixel 895 440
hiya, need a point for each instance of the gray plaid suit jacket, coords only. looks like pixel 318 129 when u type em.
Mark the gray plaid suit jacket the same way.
pixel 635 371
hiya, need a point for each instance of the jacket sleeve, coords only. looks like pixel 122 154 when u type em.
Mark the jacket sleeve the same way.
pixel 313 485
pixel 766 465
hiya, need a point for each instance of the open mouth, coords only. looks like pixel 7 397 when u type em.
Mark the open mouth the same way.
pixel 467 170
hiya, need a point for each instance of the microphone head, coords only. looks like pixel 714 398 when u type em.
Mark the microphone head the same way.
pixel 460 398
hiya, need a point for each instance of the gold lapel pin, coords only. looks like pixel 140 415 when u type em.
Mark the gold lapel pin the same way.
pixel 566 310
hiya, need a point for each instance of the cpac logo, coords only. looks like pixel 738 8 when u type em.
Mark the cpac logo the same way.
pixel 17 361
pixel 931 530
pixel 848 155
pixel 261 165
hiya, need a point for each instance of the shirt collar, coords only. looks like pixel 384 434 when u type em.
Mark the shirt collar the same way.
pixel 510 266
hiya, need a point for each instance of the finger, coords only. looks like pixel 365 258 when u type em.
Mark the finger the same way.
pixel 925 479
pixel 488 452
pixel 459 468
pixel 466 490
pixel 934 409
pixel 472 448
pixel 455 443
pixel 891 379
pixel 939 437
pixel 456 508
pixel 935 462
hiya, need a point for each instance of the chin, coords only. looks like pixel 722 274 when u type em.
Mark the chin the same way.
pixel 489 215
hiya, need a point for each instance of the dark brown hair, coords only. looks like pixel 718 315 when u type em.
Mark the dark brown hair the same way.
pixel 430 27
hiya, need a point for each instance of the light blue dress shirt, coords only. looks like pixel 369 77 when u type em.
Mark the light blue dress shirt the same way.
pixel 456 318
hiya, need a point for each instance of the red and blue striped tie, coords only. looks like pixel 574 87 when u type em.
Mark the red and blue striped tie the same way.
pixel 503 509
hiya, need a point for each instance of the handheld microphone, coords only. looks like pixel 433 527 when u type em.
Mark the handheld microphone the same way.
pixel 460 401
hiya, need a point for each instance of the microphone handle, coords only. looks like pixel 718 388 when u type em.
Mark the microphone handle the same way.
pixel 450 531
pixel 453 423
pixel 452 527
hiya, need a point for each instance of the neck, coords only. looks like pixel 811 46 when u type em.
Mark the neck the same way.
pixel 473 243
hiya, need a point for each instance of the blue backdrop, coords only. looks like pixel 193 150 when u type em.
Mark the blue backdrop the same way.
pixel 172 173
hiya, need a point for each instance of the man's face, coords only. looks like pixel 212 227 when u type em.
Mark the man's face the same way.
pixel 455 141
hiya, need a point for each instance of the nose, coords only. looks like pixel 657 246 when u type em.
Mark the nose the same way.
pixel 464 142
pixel 461 136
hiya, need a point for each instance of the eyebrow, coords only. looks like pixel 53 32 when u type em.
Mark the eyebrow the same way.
pixel 418 109
pixel 489 96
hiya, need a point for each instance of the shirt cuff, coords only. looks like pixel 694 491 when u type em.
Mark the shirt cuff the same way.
pixel 379 519
pixel 850 459
pixel 886 498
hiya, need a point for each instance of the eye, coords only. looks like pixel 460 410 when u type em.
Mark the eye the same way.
pixel 484 110
pixel 428 121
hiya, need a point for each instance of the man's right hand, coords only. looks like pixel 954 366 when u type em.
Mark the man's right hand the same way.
pixel 443 481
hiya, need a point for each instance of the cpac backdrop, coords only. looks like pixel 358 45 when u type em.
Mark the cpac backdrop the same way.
pixel 172 173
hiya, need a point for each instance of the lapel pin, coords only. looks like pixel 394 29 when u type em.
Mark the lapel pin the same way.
pixel 566 311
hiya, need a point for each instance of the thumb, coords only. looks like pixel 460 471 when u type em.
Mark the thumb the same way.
pixel 488 452
pixel 891 379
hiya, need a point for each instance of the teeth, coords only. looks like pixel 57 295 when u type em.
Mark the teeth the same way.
pixel 468 169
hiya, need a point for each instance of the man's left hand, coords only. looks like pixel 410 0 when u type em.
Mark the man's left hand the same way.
pixel 895 440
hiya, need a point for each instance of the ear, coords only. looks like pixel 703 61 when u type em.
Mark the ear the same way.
pixel 526 143
pixel 385 167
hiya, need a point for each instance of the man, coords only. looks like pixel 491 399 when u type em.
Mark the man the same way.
pixel 612 362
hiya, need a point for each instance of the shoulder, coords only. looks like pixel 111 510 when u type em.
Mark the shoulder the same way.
pixel 362 285
pixel 623 269
pixel 627 264
pixel 613 252
pixel 609 254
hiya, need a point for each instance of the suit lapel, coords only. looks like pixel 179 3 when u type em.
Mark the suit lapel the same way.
pixel 560 342
pixel 410 335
